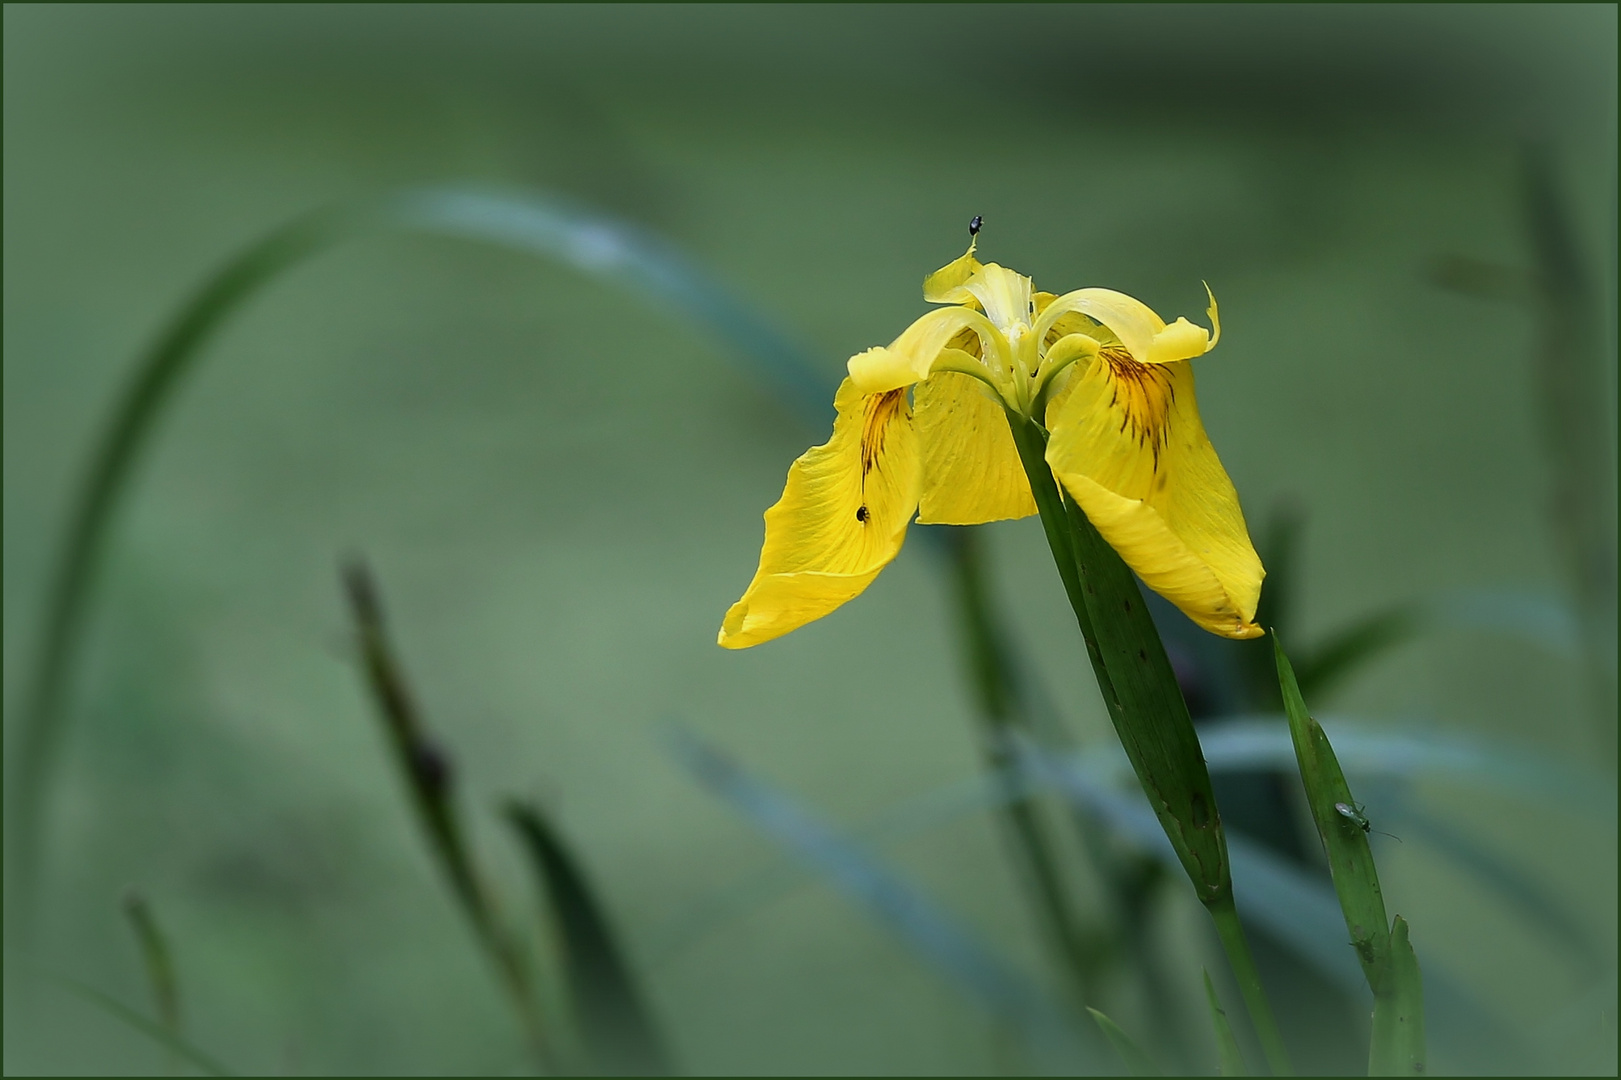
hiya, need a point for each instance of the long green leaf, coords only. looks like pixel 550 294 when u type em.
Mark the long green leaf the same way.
pixel 1397 1047
pixel 1137 1062
pixel 1337 816
pixel 1229 1056
pixel 1149 714
pixel 616 1024
pixel 1135 677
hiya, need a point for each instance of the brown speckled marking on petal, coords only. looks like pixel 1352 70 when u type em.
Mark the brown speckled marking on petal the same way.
pixel 882 409
pixel 1144 396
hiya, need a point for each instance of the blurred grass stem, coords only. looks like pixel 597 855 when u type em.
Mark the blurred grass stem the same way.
pixel 429 781
pixel 159 964
pixel 999 714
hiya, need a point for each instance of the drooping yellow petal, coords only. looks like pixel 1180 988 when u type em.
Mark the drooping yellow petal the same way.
pixel 841 519
pixel 971 470
pixel 1128 444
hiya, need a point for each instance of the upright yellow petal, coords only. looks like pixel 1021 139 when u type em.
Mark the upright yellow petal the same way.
pixel 1127 443
pixel 940 284
pixel 971 470
pixel 841 519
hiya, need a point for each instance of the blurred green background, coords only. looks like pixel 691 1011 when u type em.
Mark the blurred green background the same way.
pixel 559 484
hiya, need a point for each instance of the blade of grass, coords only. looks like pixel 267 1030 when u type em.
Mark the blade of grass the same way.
pixel 1137 1062
pixel 1388 962
pixel 155 957
pixel 951 949
pixel 1333 810
pixel 157 1032
pixel 1397 1047
pixel 616 1024
pixel 1572 377
pixel 1134 676
pixel 426 770
pixel 1231 1059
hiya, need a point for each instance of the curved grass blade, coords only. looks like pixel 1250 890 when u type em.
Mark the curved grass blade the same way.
pixel 1229 1056
pixel 1137 1062
pixel 948 947
pixel 634 259
pixel 592 244
pixel 112 463
pixel 157 1032
pixel 1397 1045
pixel 618 1029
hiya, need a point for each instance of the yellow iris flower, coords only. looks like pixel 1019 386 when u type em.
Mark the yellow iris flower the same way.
pixel 1113 385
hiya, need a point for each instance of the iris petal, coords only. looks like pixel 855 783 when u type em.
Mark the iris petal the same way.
pixel 1131 320
pixel 911 356
pixel 971 470
pixel 841 519
pixel 940 284
pixel 1128 445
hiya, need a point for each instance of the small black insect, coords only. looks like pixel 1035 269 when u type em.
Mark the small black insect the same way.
pixel 975 225
pixel 861 514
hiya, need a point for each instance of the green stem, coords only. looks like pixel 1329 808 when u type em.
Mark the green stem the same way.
pixel 1228 928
